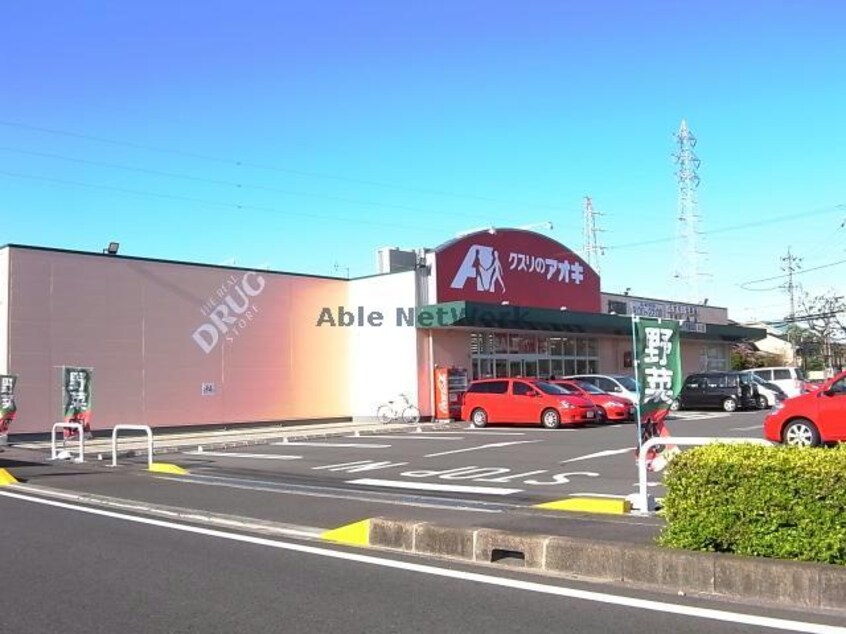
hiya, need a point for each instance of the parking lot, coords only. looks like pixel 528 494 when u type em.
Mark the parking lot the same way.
pixel 521 465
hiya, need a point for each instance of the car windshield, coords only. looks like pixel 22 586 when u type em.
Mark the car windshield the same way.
pixel 549 388
pixel 589 387
pixel 627 382
pixel 757 379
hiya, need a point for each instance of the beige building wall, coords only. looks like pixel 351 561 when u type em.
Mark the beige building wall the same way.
pixel 4 310
pixel 171 344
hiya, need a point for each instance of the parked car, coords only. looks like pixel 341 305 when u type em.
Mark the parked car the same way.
pixel 727 390
pixel 811 419
pixel 788 378
pixel 609 407
pixel 616 384
pixel 769 394
pixel 524 401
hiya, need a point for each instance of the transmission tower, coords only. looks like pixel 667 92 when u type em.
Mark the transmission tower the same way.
pixel 687 265
pixel 591 250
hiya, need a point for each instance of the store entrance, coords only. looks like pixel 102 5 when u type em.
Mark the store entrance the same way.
pixel 512 354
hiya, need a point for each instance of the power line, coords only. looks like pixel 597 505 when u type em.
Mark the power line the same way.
pixel 234 184
pixel 235 206
pixel 781 277
pixel 747 225
pixel 263 166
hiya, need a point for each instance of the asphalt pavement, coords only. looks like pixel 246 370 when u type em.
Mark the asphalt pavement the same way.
pixel 68 569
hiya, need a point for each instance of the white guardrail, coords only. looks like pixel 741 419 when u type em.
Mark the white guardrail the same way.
pixel 144 428
pixel 80 431
pixel 644 503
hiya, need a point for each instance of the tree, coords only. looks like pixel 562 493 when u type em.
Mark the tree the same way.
pixel 825 317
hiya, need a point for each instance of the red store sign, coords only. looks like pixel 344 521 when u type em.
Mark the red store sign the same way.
pixel 520 267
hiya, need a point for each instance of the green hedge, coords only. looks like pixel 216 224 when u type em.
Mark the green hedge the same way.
pixel 782 502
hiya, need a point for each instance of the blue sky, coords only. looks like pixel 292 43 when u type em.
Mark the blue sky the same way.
pixel 304 135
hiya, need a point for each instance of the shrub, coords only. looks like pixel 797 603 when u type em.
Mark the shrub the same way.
pixel 782 502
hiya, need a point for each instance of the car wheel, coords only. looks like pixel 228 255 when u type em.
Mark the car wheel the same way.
pixel 763 403
pixel 675 405
pixel 601 415
pixel 550 419
pixel 479 417
pixel 729 405
pixel 801 433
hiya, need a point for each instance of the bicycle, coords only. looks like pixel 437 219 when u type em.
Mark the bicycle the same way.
pixel 398 409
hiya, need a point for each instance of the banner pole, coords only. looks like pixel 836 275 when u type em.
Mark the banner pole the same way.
pixel 635 363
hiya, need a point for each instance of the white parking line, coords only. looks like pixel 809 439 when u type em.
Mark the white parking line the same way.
pixel 750 428
pixel 412 437
pixel 599 454
pixel 425 486
pixel 599 495
pixel 257 456
pixel 490 446
pixel 489 433
pixel 349 445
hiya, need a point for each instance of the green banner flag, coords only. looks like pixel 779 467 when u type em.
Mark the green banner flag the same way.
pixel 77 398
pixel 7 405
pixel 657 357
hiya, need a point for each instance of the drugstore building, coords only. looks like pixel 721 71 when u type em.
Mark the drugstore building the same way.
pixel 175 344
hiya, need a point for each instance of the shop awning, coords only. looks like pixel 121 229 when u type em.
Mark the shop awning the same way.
pixel 480 315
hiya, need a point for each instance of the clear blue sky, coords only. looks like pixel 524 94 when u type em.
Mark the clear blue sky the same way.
pixel 299 135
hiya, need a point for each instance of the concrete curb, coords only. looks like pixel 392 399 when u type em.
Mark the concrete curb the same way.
pixel 769 581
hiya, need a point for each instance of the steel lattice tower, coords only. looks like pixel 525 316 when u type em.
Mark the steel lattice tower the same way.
pixel 687 264
pixel 591 249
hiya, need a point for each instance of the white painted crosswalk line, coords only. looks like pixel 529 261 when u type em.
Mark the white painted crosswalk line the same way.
pixel 599 454
pixel 411 437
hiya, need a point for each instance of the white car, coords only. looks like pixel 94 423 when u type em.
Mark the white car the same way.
pixel 790 379
pixel 769 394
pixel 616 384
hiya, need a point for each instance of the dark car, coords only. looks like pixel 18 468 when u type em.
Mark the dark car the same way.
pixel 728 391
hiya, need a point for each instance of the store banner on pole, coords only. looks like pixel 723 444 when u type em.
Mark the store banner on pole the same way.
pixel 7 405
pixel 77 399
pixel 659 378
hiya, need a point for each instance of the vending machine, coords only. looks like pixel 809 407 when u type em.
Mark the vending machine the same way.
pixel 450 385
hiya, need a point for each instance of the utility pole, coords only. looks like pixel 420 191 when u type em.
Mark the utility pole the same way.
pixel 791 264
pixel 591 248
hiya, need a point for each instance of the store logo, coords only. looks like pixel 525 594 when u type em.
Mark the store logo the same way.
pixel 482 264
pixel 232 314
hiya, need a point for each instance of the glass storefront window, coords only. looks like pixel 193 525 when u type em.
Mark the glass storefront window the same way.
pixel 556 367
pixel 569 347
pixel 543 346
pixel 529 344
pixel 515 368
pixel 530 368
pixel 556 347
pixel 592 348
pixel 592 366
pixel 514 343
pixel 544 369
pixel 486 368
pixel 500 343
pixel 500 368
pixel 569 366
pixel 581 366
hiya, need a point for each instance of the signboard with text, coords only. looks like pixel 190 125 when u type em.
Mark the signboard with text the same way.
pixel 77 399
pixel 516 266
pixel 659 378
pixel 7 405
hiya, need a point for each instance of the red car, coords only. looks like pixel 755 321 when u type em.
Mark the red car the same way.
pixel 524 401
pixel 811 419
pixel 610 407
